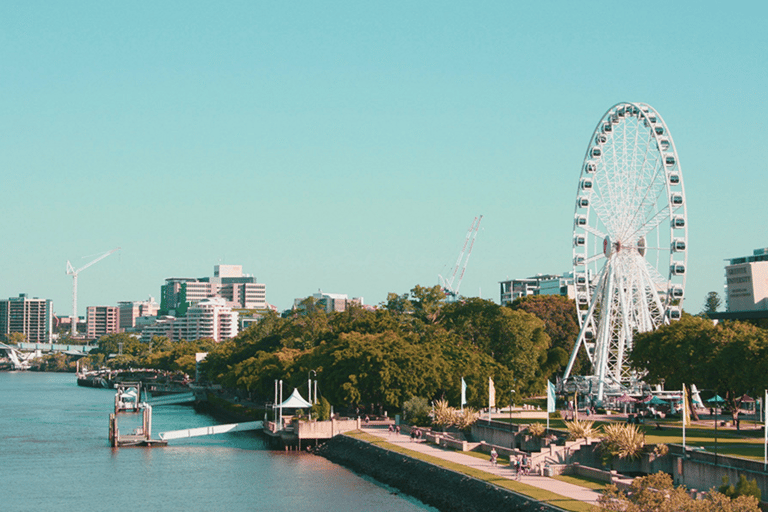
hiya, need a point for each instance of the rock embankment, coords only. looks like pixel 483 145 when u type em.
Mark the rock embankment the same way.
pixel 441 488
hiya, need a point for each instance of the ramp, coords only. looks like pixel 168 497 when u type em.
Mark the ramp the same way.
pixel 177 398
pixel 208 431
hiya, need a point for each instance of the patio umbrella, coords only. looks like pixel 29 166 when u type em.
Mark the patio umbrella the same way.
pixel 745 399
pixel 717 399
pixel 657 401
pixel 626 399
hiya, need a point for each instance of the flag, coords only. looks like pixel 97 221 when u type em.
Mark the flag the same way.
pixel 491 394
pixel 550 397
pixel 463 392
pixel 686 419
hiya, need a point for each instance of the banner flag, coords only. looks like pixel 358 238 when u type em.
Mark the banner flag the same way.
pixel 463 392
pixel 491 394
pixel 550 397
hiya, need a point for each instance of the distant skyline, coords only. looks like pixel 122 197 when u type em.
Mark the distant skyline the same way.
pixel 347 146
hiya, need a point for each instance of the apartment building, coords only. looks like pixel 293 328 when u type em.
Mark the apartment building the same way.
pixel 101 320
pixel 240 291
pixel 31 317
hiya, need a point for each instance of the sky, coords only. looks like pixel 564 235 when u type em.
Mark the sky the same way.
pixel 348 146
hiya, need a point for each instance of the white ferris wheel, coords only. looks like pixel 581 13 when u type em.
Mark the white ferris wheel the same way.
pixel 630 235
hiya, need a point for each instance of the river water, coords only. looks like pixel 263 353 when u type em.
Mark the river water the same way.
pixel 55 456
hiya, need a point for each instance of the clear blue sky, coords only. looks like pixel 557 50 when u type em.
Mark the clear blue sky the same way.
pixel 347 146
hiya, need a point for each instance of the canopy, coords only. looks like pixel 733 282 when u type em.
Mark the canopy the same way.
pixel 717 399
pixel 295 401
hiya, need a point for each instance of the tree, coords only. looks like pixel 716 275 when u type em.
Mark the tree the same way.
pixel 730 357
pixel 711 303
pixel 656 493
pixel 561 324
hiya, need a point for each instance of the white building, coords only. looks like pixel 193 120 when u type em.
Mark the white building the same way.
pixel 542 284
pixel 747 282
pixel 209 318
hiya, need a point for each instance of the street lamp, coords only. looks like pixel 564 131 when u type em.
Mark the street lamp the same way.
pixel 309 386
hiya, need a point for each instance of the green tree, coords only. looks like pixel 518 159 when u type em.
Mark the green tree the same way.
pixel 711 303
pixel 561 324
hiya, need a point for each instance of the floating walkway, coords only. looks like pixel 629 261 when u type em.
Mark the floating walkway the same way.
pixel 208 431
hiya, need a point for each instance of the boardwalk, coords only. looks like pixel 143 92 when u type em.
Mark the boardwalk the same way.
pixel 550 484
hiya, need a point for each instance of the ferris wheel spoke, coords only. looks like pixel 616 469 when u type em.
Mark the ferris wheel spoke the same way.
pixel 594 258
pixel 594 231
pixel 654 221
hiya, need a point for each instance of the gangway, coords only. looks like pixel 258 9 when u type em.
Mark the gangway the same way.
pixel 176 398
pixel 215 429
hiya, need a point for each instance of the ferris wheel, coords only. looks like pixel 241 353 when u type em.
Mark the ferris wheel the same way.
pixel 630 237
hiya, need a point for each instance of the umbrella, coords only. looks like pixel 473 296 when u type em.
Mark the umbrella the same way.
pixel 625 398
pixel 747 399
pixel 657 401
pixel 717 399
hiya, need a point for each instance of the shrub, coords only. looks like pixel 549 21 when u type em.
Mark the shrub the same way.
pixel 578 429
pixel 743 488
pixel 537 429
pixel 416 411
pixel 622 440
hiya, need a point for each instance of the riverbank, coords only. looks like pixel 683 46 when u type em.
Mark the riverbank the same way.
pixel 436 485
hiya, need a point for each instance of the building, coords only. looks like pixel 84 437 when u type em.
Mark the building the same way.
pixel 209 318
pixel 542 284
pixel 31 317
pixel 746 282
pixel 240 291
pixel 131 311
pixel 101 320
pixel 330 301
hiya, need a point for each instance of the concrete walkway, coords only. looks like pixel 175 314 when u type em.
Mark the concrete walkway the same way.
pixel 550 484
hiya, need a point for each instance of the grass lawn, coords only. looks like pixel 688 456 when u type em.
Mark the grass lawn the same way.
pixel 513 485
pixel 745 443
pixel 583 481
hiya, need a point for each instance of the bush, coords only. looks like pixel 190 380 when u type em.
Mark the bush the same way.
pixel 321 410
pixel 743 488
pixel 416 411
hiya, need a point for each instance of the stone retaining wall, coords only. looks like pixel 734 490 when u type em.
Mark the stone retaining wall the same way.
pixel 441 488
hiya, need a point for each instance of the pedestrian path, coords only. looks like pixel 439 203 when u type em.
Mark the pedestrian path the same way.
pixel 565 489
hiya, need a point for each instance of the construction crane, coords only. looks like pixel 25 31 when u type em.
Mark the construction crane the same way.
pixel 469 240
pixel 72 272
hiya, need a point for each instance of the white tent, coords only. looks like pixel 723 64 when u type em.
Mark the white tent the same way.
pixel 295 401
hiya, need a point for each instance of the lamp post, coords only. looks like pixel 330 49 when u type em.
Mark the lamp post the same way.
pixel 309 386
pixel 714 409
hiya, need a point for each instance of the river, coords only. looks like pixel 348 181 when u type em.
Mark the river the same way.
pixel 55 455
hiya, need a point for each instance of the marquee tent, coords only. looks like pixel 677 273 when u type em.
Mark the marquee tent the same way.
pixel 295 401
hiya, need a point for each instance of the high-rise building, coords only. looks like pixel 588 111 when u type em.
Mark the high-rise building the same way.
pixel 101 320
pixel 130 311
pixel 209 318
pixel 228 282
pixel 31 317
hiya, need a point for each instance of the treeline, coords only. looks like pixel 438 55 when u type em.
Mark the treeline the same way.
pixel 415 345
